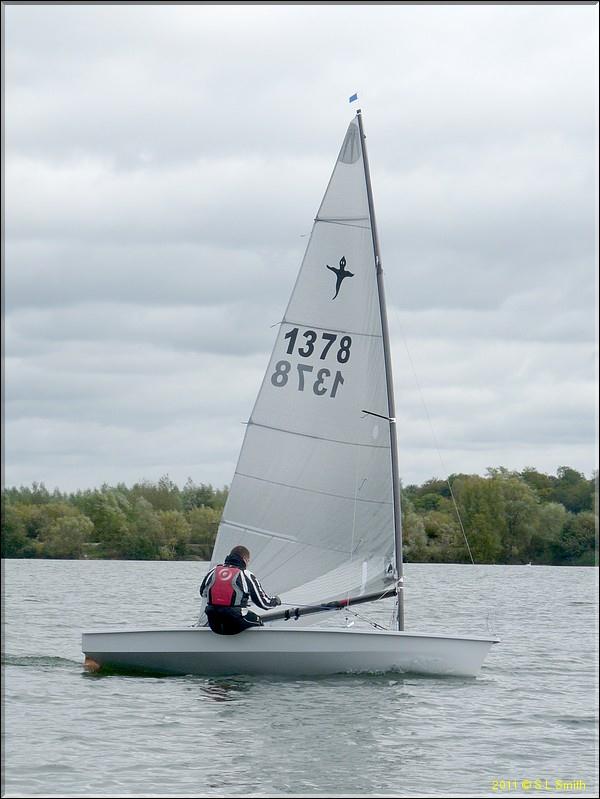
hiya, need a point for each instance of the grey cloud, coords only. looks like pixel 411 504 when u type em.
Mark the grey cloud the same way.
pixel 222 201
pixel 148 393
pixel 545 315
pixel 71 454
pixel 155 75
pixel 164 162
pixel 239 328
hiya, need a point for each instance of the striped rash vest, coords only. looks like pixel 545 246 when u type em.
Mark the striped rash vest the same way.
pixel 245 587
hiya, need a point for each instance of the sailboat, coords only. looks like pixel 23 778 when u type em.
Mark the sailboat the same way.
pixel 316 493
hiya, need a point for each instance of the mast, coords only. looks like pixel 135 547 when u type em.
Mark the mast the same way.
pixel 389 382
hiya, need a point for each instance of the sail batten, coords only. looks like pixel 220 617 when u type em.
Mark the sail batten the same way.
pixel 310 490
pixel 342 219
pixel 314 467
pixel 346 332
pixel 257 531
pixel 291 432
pixel 343 224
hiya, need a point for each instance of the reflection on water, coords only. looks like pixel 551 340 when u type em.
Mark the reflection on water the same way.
pixel 224 689
pixel 38 661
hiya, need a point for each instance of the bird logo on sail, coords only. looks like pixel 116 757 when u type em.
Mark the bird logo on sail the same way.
pixel 340 274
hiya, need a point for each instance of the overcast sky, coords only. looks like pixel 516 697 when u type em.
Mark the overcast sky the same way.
pixel 163 165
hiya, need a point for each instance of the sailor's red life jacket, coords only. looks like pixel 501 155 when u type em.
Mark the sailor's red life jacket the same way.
pixel 222 591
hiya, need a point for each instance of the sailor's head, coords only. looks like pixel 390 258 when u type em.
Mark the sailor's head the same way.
pixel 240 552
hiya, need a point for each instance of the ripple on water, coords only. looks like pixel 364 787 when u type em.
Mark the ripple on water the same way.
pixel 529 711
pixel 40 662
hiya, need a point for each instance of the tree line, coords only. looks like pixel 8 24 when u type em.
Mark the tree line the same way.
pixel 502 517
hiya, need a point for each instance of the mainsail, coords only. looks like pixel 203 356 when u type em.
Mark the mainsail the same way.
pixel 311 497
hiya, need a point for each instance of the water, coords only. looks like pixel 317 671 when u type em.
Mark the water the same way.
pixel 531 714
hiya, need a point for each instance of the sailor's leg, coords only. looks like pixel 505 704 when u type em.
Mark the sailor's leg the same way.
pixel 218 622
pixel 251 619
pixel 230 621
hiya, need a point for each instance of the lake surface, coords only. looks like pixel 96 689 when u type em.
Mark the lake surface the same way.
pixel 530 715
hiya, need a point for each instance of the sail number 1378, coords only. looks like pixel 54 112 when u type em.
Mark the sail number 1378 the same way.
pixel 309 346
pixel 320 380
pixel 321 386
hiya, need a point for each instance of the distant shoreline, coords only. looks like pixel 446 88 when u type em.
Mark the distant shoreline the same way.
pixel 406 562
pixel 503 518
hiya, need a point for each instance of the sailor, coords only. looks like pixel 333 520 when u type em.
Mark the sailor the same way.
pixel 227 588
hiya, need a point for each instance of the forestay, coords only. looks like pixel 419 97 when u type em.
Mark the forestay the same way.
pixel 311 497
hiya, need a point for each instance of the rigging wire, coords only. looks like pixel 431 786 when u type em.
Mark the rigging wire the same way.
pixel 347 610
pixel 393 618
pixel 356 490
pixel 435 442
pixel 489 623
pixel 433 435
pixel 369 621
pixel 394 615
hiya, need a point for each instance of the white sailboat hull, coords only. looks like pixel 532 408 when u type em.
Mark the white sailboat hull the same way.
pixel 276 651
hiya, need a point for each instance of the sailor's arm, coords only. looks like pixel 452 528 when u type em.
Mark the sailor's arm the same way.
pixel 207 582
pixel 258 594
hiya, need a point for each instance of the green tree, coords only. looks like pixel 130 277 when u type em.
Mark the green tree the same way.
pixel 109 512
pixel 414 540
pixel 164 495
pixel 176 532
pixel 572 490
pixel 204 524
pixel 445 543
pixel 435 486
pixel 144 539
pixel 65 537
pixel 31 517
pixel 37 518
pixel 429 501
pixel 15 542
pixel 481 507
pixel 38 494
pixel 578 540
pixel 520 509
pixel 200 496
pixel 542 484
pixel 551 519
